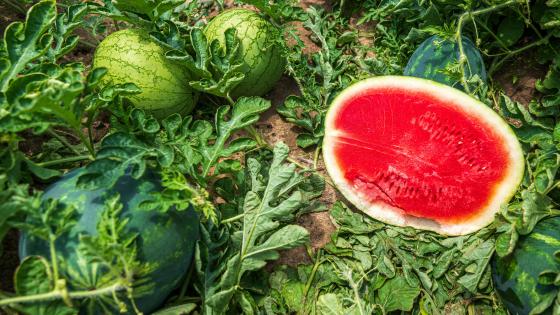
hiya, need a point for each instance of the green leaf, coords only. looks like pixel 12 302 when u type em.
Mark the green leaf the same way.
pixel 41 172
pixel 34 276
pixel 352 222
pixel 63 34
pixel 245 113
pixel 511 29
pixel 281 11
pixel 218 68
pixel 548 277
pixel 289 236
pixel 14 200
pixel 47 219
pixel 271 201
pixel 397 294
pixel 546 301
pixel 24 42
pixel 296 110
pixel 182 309
pixel 443 263
pixel 385 266
pixel 534 207
pixel 330 304
pixel 151 8
pixel 119 152
pixel 505 243
pixel 478 255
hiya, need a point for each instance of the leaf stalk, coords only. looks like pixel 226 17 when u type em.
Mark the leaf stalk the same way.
pixel 57 294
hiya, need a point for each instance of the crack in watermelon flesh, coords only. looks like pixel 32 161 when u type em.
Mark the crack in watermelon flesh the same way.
pixel 428 158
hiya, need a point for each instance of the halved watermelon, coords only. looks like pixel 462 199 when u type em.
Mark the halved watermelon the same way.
pixel 413 152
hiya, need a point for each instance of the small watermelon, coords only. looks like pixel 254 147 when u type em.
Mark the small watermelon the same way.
pixel 260 49
pixel 516 276
pixel 165 240
pixel 132 56
pixel 430 59
pixel 413 152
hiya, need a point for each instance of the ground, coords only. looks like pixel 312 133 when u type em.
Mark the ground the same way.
pixel 274 129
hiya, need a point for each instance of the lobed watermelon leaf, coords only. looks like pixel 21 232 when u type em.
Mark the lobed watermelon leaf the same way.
pixel 218 70
pixel 177 146
pixel 281 11
pixel 397 294
pixel 145 14
pixel 272 199
pixel 330 70
pixel 34 276
pixel 14 200
pixel 25 42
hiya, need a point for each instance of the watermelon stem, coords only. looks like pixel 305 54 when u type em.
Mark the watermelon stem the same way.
pixel 469 15
pixel 57 294
pixel 232 219
pixel 318 262
pixel 54 263
pixel 496 65
pixel 186 283
pixel 65 160
pixel 230 100
pixel 316 156
pixel 63 140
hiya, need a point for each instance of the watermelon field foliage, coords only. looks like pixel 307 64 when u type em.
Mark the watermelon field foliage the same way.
pixel 51 106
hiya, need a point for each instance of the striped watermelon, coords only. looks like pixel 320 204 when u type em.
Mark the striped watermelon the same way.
pixel 260 49
pixel 435 54
pixel 515 277
pixel 132 56
pixel 165 240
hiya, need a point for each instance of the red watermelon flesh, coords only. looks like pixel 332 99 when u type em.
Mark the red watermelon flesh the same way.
pixel 412 152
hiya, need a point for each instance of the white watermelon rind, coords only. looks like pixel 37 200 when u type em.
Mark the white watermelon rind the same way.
pixel 506 189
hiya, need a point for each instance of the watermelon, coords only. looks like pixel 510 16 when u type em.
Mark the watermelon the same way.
pixel 413 152
pixel 516 276
pixel 430 59
pixel 260 49
pixel 133 56
pixel 165 240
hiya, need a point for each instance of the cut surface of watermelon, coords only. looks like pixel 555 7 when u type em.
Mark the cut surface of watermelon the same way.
pixel 413 152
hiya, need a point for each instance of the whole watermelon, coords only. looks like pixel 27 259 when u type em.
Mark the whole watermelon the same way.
pixel 260 49
pixel 435 54
pixel 165 240
pixel 132 56
pixel 516 276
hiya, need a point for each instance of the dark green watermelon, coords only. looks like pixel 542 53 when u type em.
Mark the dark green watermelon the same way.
pixel 516 276
pixel 165 240
pixel 435 53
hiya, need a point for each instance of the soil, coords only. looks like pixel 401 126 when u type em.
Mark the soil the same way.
pixel 9 261
pixel 275 129
pixel 518 77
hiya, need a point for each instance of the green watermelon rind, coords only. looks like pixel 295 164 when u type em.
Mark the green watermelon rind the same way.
pixel 260 50
pixel 395 216
pixel 516 276
pixel 130 55
pixel 435 53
